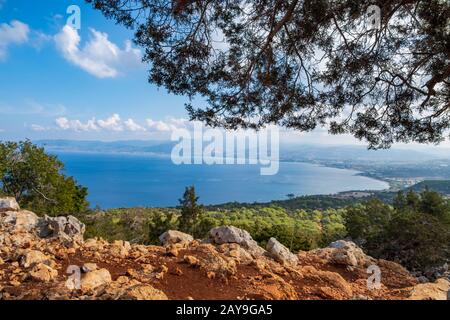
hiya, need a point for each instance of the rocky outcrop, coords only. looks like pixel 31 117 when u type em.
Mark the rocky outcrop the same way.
pixel 46 258
pixel 173 236
pixel 20 220
pixel 43 273
pixel 143 292
pixel 230 234
pixel 120 249
pixel 345 253
pixel 439 290
pixel 29 258
pixel 94 279
pixel 8 204
pixel 280 253
pixel 15 221
pixel 65 228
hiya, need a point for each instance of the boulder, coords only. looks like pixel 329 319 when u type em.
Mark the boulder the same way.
pixel 88 267
pixel 94 244
pixel 210 260
pixel 230 234
pixel 8 204
pixel 280 253
pixel 19 221
pixel 174 236
pixel 328 285
pixel 65 228
pixel 192 261
pixel 349 254
pixel 438 290
pixel 30 258
pixel 345 253
pixel 273 288
pixel 143 292
pixel 44 273
pixel 95 279
pixel 120 249
pixel 236 252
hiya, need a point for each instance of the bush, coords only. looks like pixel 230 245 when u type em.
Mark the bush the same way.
pixel 36 180
pixel 414 232
pixel 298 231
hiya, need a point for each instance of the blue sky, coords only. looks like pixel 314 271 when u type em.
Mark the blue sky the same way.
pixel 53 87
pixel 57 82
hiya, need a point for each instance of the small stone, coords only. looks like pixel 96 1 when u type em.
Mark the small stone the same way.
pixel 143 292
pixel 32 257
pixel 177 272
pixel 95 279
pixel 122 279
pixel 14 283
pixel 88 267
pixel 174 236
pixel 44 273
pixel 172 250
pixel 192 261
pixel 148 268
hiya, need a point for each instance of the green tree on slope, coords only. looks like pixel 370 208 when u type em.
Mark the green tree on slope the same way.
pixel 36 180
pixel 190 211
pixel 414 232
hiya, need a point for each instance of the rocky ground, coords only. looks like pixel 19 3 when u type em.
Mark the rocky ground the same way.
pixel 47 258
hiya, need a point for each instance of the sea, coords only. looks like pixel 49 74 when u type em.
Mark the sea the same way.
pixel 139 180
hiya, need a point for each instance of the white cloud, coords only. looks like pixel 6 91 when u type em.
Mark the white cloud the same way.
pixel 2 130
pixel 99 56
pixel 112 123
pixel 168 125
pixel 76 125
pixel 15 32
pixel 160 126
pixel 133 126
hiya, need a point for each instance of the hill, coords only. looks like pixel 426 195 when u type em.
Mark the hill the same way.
pixel 47 258
pixel 441 186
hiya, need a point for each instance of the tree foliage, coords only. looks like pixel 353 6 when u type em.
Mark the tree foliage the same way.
pixel 301 230
pixel 302 63
pixel 190 211
pixel 414 232
pixel 36 180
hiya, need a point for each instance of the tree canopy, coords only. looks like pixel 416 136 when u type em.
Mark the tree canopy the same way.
pixel 36 180
pixel 302 64
pixel 190 211
pixel 414 232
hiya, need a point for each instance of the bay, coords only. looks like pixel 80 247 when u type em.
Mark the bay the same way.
pixel 128 180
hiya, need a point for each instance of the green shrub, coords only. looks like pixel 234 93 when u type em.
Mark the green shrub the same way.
pixel 36 180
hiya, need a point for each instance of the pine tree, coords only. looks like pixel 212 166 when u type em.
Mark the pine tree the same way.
pixel 190 211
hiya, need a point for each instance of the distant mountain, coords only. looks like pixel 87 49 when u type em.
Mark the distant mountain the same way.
pixel 288 152
pixel 129 146
pixel 354 153
pixel 441 186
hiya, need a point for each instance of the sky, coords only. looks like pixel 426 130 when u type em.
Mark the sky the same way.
pixel 60 82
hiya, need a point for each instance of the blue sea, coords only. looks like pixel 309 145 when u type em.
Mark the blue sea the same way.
pixel 127 180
